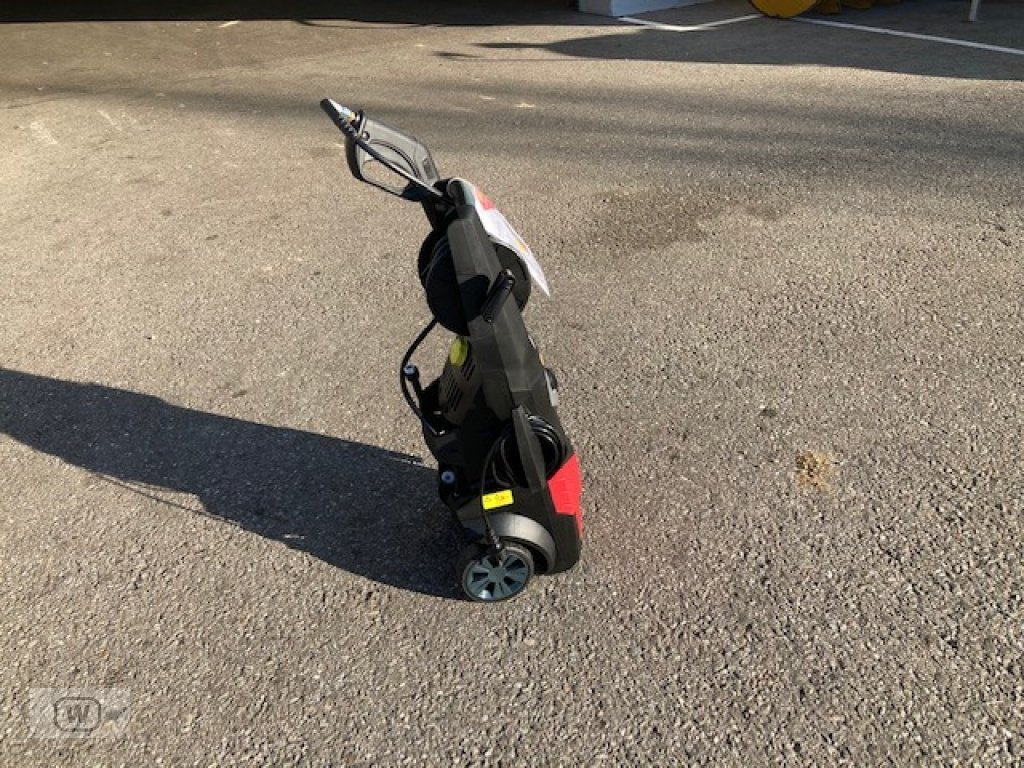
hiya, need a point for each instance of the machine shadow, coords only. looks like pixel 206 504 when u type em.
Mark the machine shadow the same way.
pixel 368 510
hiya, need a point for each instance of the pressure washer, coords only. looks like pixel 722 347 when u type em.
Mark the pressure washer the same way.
pixel 506 468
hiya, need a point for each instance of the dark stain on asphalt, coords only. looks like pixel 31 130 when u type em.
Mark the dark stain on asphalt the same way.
pixel 655 218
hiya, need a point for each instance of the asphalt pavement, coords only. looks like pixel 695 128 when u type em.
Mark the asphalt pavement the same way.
pixel 787 264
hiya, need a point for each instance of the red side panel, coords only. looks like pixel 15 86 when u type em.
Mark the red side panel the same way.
pixel 566 487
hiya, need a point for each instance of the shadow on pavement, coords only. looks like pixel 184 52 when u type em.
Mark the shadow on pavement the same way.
pixel 405 12
pixel 368 510
pixel 772 42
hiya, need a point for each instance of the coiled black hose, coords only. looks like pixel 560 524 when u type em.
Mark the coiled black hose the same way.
pixel 506 468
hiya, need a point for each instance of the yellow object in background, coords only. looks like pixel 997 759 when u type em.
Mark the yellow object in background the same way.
pixel 783 9
pixel 787 9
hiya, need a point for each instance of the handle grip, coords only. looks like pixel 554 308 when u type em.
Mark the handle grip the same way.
pixel 371 147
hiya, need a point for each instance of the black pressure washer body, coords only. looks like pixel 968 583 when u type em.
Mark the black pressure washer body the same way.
pixel 505 465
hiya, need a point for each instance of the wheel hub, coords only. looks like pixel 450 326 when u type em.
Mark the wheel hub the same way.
pixel 497 576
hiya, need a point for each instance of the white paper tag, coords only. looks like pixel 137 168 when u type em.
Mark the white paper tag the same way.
pixel 497 226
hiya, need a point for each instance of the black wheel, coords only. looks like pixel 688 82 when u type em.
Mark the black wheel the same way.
pixel 487 576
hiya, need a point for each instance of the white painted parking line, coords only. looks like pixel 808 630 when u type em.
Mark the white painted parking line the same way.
pixel 696 28
pixel 42 133
pixel 913 36
pixel 824 23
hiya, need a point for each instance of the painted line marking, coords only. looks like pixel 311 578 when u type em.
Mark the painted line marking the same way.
pixel 697 28
pixel 913 36
pixel 824 23
pixel 113 123
pixel 42 133
pixel 227 24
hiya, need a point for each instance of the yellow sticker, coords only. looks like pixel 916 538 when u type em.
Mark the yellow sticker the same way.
pixel 497 499
pixel 459 351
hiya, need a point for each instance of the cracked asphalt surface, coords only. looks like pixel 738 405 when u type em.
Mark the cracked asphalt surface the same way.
pixel 787 319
